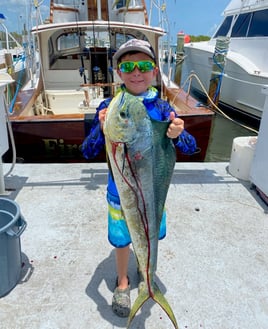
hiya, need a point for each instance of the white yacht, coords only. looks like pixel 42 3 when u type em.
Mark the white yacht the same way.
pixel 245 72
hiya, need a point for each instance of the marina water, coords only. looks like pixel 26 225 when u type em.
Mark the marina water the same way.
pixel 221 140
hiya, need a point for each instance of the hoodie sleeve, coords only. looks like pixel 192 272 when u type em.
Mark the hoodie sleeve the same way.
pixel 186 143
pixel 94 143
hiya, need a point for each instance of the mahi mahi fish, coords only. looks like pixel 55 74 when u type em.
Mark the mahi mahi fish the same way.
pixel 142 160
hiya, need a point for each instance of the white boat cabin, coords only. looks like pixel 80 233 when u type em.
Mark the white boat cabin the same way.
pixel 77 47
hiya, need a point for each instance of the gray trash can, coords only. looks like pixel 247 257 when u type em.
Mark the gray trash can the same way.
pixel 12 225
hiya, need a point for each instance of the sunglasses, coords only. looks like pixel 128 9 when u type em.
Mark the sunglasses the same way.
pixel 143 66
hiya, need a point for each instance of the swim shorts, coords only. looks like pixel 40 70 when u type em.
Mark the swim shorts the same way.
pixel 118 234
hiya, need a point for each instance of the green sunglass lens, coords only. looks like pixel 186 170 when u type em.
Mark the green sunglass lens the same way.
pixel 127 67
pixel 143 66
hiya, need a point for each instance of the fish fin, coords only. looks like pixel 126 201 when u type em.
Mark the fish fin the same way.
pixel 161 300
pixel 141 299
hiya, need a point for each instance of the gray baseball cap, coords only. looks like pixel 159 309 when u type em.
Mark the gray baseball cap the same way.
pixel 134 45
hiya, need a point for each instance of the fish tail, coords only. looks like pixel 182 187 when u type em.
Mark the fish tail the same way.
pixel 141 299
pixel 159 298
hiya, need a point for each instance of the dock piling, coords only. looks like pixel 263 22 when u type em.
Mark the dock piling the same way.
pixel 221 49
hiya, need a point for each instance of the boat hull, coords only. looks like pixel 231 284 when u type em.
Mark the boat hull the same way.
pixel 238 88
pixel 49 140
pixel 59 139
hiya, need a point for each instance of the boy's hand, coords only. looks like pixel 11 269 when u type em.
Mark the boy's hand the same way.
pixel 102 114
pixel 176 126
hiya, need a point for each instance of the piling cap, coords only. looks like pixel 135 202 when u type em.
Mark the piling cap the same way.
pixel 185 37
pixel 134 45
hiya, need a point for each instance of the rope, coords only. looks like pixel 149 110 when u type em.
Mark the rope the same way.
pixel 217 109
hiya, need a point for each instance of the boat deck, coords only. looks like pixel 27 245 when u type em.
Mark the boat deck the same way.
pixel 212 266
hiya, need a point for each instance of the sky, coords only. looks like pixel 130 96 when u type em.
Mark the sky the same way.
pixel 195 17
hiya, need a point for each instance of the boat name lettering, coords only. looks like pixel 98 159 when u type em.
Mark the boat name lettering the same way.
pixel 54 145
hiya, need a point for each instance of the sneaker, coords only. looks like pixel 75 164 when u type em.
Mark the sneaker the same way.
pixel 121 302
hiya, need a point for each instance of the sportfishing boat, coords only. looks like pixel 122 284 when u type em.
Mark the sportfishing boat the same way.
pixel 76 48
pixel 245 72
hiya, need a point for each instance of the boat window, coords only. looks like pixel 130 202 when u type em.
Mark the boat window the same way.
pixel 67 41
pixel 240 28
pixel 122 3
pixel 225 27
pixel 122 38
pixel 259 24
pixel 101 39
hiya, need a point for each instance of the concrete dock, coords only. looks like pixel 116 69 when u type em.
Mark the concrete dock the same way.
pixel 212 266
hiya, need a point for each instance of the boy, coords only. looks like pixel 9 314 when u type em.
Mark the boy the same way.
pixel 137 69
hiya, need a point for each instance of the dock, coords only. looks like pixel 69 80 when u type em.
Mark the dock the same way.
pixel 212 265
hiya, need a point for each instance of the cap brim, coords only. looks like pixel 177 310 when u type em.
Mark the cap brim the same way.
pixel 125 50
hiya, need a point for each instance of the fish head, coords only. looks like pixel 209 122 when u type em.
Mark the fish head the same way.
pixel 126 119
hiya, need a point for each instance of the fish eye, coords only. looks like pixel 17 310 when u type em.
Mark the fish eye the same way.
pixel 123 114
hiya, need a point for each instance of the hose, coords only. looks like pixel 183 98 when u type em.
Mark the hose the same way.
pixel 12 140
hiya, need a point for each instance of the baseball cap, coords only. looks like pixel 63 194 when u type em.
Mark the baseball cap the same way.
pixel 134 45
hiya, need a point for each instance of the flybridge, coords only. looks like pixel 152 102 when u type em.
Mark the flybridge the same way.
pixel 244 24
pixel 111 10
pixel 236 6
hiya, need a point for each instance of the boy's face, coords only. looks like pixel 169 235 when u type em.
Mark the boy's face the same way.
pixel 137 82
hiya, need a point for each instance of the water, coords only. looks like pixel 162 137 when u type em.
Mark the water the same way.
pixel 221 140
pixel 222 134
